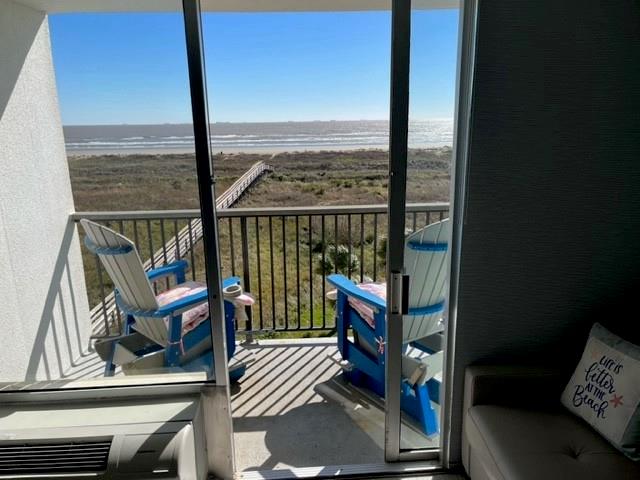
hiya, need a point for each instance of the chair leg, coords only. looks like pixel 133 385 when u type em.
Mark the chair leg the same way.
pixel 130 320
pixel 109 367
pixel 360 379
pixel 229 317
pixel 174 345
pixel 342 325
pixel 237 373
pixel 416 402
pixel 433 386
pixel 428 414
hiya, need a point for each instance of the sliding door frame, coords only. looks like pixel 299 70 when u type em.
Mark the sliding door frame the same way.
pixel 398 151
pixel 215 394
pixel 398 148
pixel 462 140
pixel 397 281
pixel 216 397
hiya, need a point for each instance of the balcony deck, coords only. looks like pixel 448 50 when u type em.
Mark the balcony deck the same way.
pixel 291 410
pixel 281 421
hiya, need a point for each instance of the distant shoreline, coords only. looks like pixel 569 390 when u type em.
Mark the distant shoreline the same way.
pixel 251 138
pixel 169 181
pixel 93 152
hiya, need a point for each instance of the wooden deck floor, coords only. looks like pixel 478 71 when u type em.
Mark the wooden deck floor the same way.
pixel 291 410
pixel 280 420
pixel 89 365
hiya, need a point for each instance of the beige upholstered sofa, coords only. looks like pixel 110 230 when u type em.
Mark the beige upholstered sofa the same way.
pixel 515 429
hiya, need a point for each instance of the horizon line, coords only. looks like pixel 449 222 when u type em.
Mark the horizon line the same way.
pixel 249 121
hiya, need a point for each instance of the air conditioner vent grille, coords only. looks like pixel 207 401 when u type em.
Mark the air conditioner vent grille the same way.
pixel 63 457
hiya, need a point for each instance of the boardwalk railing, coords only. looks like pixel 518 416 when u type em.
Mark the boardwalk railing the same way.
pixel 281 254
pixel 237 189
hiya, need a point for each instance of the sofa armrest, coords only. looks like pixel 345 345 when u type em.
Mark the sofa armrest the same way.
pixel 521 386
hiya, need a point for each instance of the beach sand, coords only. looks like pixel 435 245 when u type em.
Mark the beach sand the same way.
pixel 190 150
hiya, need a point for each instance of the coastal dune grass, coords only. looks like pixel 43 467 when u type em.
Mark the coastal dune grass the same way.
pixel 286 271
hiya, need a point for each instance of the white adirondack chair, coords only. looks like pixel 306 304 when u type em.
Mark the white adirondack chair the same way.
pixel 159 321
pixel 426 262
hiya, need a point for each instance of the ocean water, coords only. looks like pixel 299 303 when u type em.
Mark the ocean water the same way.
pixel 234 137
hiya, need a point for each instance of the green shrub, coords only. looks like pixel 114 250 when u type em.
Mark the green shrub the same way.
pixel 337 260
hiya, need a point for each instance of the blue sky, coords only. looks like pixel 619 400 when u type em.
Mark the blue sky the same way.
pixel 131 68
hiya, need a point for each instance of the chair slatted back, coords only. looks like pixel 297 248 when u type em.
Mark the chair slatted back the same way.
pixel 128 275
pixel 425 260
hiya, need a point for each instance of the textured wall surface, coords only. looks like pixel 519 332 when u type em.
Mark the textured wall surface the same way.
pixel 44 314
pixel 551 241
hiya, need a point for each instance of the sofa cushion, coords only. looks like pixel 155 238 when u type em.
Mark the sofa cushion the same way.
pixel 519 444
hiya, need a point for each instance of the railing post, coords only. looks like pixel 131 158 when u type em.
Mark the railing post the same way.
pixel 246 276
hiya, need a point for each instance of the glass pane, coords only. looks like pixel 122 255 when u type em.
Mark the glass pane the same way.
pixel 434 43
pixel 112 89
pixel 304 95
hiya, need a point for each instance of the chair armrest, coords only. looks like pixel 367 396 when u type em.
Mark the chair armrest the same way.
pixel 185 303
pixel 175 307
pixel 182 304
pixel 346 286
pixel 227 282
pixel 177 268
pixel 518 386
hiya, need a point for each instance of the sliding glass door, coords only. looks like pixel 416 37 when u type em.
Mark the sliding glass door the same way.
pixel 287 254
pixel 299 114
pixel 423 80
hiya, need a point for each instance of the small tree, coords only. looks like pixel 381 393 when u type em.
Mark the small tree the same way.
pixel 337 260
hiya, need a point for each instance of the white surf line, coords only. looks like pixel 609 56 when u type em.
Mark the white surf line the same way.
pixel 188 236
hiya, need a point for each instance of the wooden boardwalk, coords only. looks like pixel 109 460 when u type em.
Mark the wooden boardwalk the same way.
pixel 178 245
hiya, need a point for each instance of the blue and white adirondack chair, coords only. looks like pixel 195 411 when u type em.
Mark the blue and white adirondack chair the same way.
pixel 135 297
pixel 425 262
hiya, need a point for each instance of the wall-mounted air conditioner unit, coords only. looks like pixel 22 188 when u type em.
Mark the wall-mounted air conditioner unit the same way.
pixel 140 439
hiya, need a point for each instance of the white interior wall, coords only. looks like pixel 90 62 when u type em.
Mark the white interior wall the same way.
pixel 45 315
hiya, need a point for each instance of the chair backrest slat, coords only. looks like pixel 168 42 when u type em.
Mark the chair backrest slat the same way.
pixel 425 261
pixel 128 275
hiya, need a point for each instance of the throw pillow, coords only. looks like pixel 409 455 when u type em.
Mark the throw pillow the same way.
pixel 605 389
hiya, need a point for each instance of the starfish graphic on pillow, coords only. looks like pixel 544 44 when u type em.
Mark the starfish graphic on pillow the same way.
pixel 616 401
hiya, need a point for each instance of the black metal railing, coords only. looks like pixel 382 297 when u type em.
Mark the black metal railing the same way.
pixel 282 256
